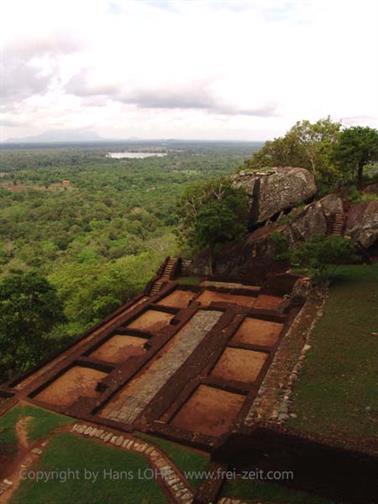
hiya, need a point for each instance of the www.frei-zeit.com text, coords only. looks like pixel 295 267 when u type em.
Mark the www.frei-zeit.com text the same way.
pixel 63 475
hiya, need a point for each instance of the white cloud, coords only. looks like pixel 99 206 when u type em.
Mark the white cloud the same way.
pixel 210 69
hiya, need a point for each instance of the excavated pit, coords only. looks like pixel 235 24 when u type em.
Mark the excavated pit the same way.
pixel 119 348
pixel 76 382
pixel 266 302
pixel 258 332
pixel 237 364
pixel 151 320
pixel 178 298
pixel 209 410
pixel 208 297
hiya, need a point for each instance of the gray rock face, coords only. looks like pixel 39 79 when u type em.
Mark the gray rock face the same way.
pixel 362 223
pixel 274 190
pixel 331 205
pixel 315 219
pixel 310 222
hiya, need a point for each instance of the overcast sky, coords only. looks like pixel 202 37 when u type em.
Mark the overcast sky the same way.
pixel 196 69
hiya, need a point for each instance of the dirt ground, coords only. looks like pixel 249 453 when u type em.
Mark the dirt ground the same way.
pixel 119 348
pixel 210 411
pixel 258 332
pixel 239 364
pixel 77 381
pixel 80 344
pixel 268 302
pixel 151 320
pixel 178 299
pixel 208 297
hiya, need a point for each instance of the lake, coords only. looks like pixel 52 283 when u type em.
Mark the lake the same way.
pixel 135 155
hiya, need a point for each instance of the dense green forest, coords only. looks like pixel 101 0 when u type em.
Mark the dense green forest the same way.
pixel 95 227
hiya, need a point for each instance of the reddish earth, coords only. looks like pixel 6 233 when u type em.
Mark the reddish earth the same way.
pixel 119 348
pixel 258 332
pixel 80 344
pixel 239 365
pixel 208 297
pixel 268 302
pixel 178 299
pixel 210 411
pixel 151 320
pixel 77 381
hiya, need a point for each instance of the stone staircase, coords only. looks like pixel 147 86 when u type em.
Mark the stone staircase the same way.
pixel 338 224
pixel 165 276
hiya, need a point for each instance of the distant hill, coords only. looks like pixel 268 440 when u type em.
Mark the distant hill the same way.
pixel 61 135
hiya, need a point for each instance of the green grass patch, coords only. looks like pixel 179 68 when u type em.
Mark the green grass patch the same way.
pixel 336 392
pixel 269 492
pixel 71 458
pixel 189 280
pixel 8 439
pixel 186 459
pixel 41 424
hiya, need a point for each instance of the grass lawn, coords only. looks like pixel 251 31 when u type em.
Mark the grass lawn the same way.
pixel 336 392
pixel 71 457
pixel 259 491
pixel 40 425
pixel 186 459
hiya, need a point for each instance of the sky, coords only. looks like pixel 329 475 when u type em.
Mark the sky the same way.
pixel 185 69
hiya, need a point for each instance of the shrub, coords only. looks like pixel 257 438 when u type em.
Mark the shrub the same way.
pixel 322 254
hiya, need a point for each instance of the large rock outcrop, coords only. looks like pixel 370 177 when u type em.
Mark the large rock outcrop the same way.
pixel 274 190
pixel 362 223
pixel 253 259
pixel 314 219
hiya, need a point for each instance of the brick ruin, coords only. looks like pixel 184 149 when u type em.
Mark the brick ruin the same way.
pixel 202 365
pixel 183 361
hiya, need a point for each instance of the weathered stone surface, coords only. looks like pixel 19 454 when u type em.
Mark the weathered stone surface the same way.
pixel 362 223
pixel 331 205
pixel 310 222
pixel 276 189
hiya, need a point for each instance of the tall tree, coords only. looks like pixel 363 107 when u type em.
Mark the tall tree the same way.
pixel 356 147
pixel 29 309
pixel 306 144
pixel 211 214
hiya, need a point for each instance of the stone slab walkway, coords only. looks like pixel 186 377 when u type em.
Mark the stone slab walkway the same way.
pixel 137 394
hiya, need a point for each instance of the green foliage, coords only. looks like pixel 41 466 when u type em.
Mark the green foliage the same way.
pixel 306 145
pixel 91 290
pixel 281 244
pixel 321 254
pixel 213 213
pixel 99 238
pixel 29 309
pixel 356 148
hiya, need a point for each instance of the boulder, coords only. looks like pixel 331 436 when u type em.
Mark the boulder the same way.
pixel 331 205
pixel 311 222
pixel 362 223
pixel 274 190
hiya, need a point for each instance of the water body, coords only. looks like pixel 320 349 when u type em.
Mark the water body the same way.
pixel 134 155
